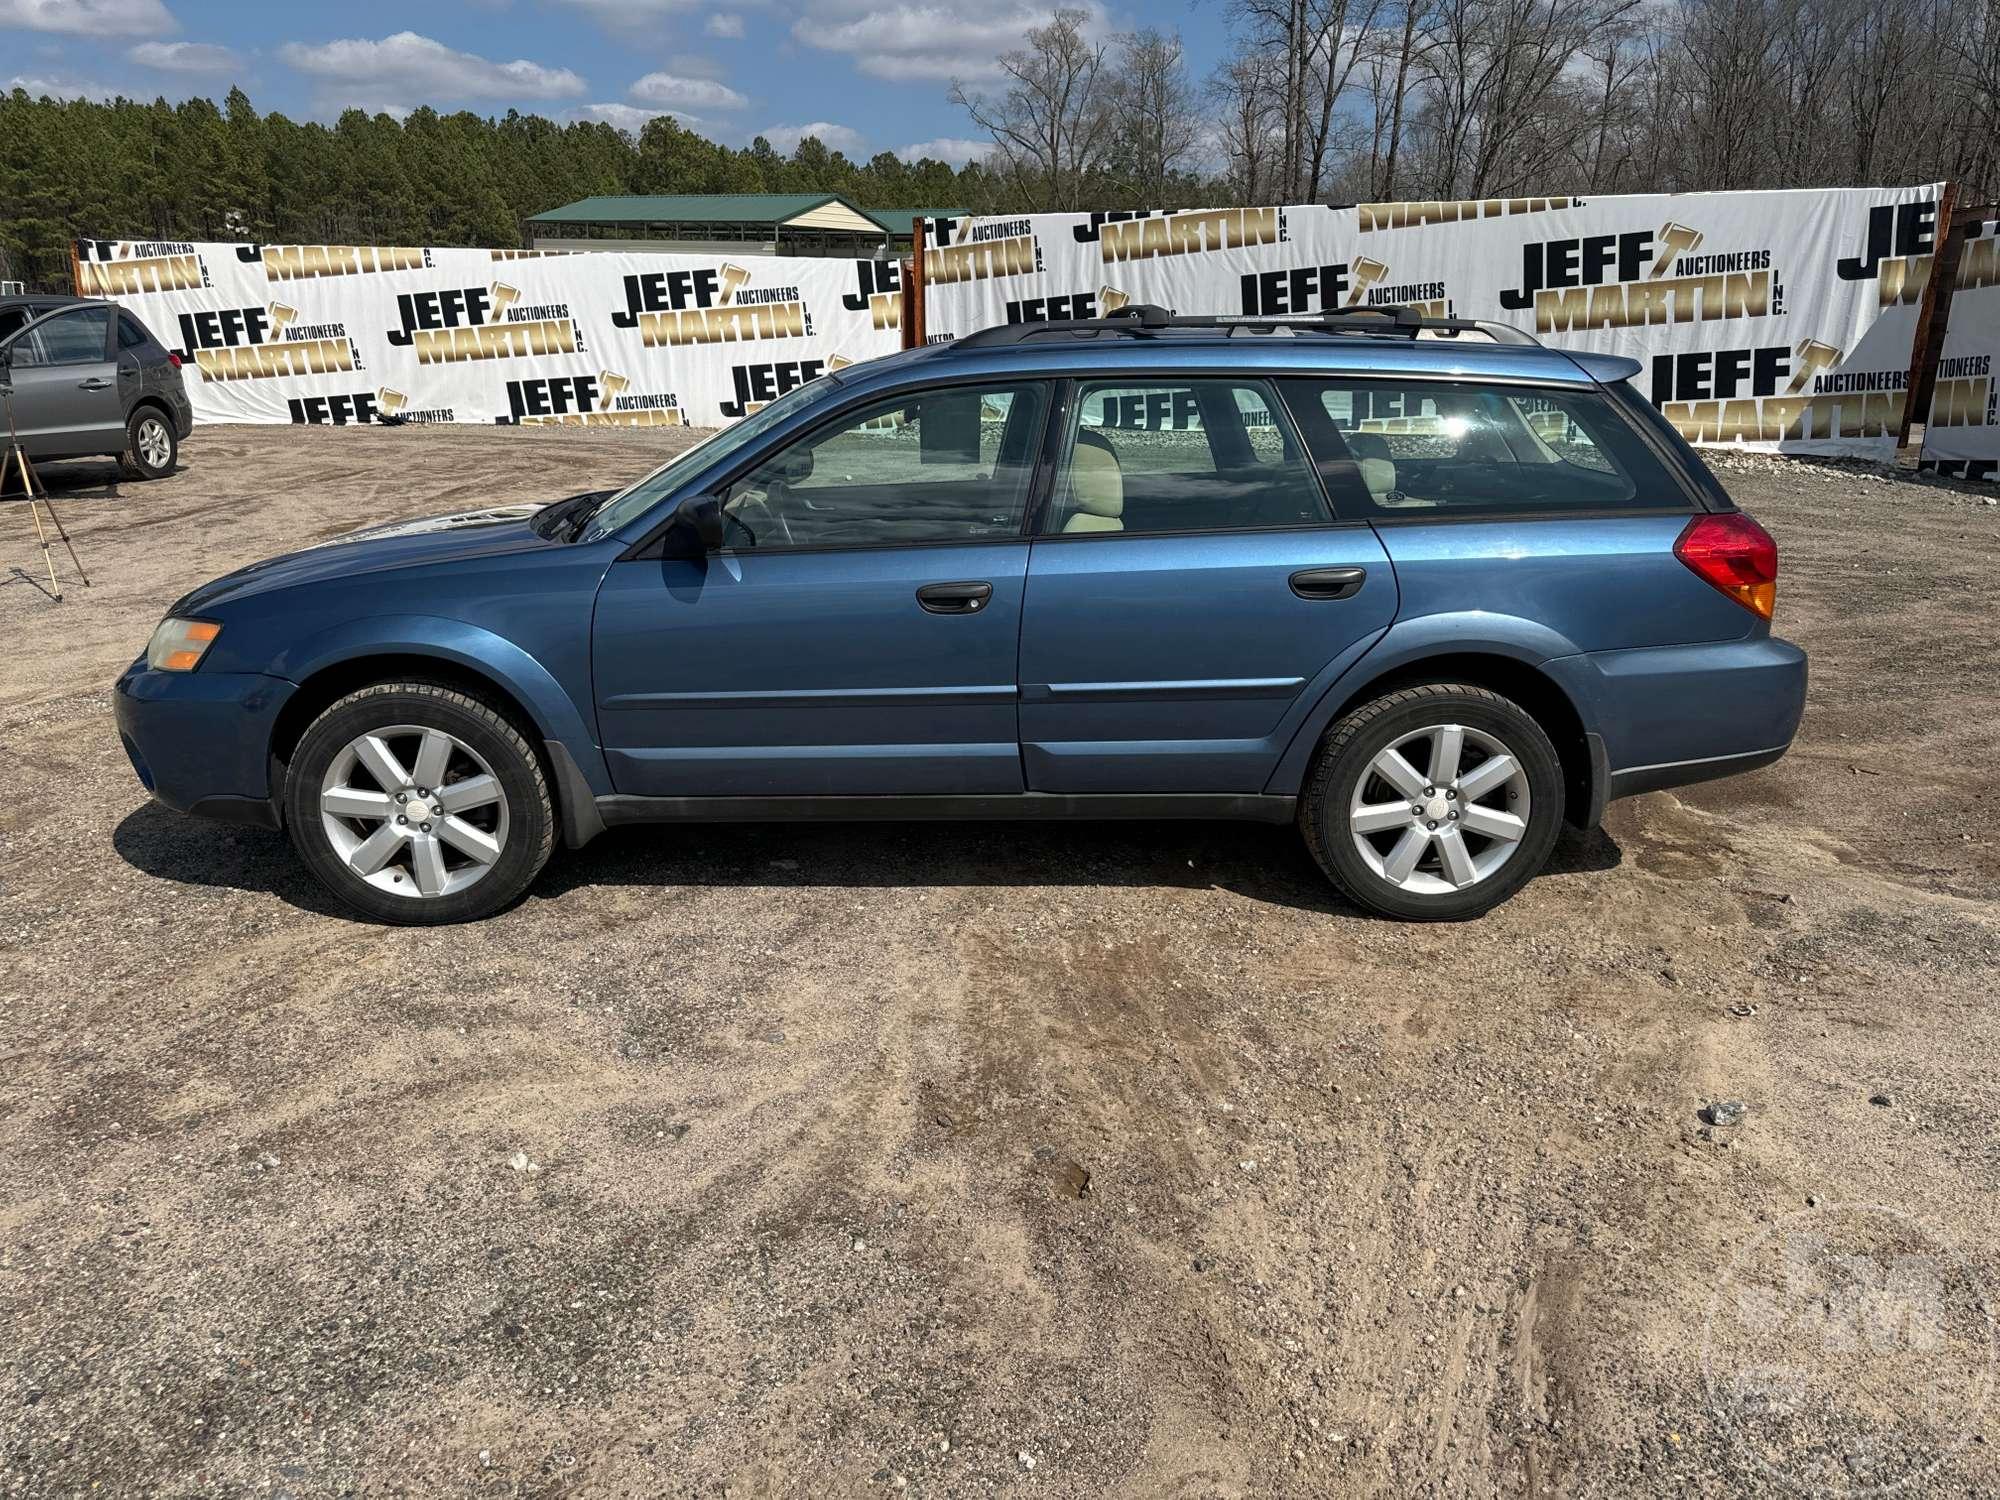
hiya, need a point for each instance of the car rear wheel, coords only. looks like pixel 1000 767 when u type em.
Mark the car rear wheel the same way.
pixel 150 445
pixel 1435 803
pixel 417 804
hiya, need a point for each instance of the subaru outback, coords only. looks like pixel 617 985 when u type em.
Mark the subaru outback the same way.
pixel 1423 587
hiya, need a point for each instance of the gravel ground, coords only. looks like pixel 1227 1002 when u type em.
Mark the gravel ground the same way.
pixel 1079 1161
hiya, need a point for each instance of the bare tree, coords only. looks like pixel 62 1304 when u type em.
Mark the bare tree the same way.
pixel 1051 126
pixel 1250 90
pixel 1155 103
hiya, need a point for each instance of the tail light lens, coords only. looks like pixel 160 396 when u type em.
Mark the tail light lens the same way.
pixel 173 359
pixel 1736 555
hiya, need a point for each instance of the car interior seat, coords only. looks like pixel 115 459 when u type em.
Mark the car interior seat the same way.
pixel 1378 469
pixel 1096 485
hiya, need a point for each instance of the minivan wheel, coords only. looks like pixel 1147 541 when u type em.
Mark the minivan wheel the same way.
pixel 150 445
pixel 1434 803
pixel 418 804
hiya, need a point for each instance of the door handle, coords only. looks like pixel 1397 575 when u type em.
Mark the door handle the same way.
pixel 954 598
pixel 1328 583
pixel 93 384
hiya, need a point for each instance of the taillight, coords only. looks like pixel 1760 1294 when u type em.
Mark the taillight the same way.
pixel 1736 555
pixel 173 359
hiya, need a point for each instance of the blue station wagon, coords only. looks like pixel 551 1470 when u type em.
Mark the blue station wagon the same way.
pixel 1422 586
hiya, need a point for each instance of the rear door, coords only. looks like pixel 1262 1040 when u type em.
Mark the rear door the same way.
pixel 65 398
pixel 1189 596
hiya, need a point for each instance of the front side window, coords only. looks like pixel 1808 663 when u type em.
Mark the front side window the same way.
pixel 67 339
pixel 1194 455
pixel 1399 449
pixel 947 465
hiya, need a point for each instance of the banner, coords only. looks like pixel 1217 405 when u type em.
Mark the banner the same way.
pixel 356 333
pixel 1962 435
pixel 1778 321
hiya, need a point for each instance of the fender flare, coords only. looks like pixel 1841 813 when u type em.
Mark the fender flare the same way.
pixel 477 650
pixel 1407 642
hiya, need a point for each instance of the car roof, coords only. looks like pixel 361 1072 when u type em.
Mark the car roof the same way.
pixel 1469 357
pixel 45 299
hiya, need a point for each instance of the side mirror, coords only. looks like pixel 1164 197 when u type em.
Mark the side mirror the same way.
pixel 697 528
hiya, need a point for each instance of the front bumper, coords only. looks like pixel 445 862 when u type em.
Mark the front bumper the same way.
pixel 201 741
pixel 1673 715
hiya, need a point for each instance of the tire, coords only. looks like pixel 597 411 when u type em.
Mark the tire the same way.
pixel 1470 851
pixel 151 449
pixel 404 851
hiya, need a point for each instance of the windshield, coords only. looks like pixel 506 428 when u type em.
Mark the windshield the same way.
pixel 629 504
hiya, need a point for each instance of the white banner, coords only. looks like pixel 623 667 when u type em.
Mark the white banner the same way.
pixel 1779 321
pixel 1962 434
pixel 346 333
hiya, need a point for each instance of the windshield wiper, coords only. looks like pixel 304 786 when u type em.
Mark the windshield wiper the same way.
pixel 551 517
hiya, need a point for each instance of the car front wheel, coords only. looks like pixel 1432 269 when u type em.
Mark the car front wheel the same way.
pixel 1434 803
pixel 418 804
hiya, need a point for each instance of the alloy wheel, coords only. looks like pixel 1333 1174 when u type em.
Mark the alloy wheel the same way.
pixel 1440 809
pixel 413 811
pixel 155 445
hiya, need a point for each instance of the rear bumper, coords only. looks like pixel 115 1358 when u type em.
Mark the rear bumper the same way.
pixel 200 741
pixel 1672 715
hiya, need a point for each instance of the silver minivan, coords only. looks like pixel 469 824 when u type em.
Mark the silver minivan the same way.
pixel 82 378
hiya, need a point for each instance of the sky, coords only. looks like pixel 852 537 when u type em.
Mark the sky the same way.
pixel 863 75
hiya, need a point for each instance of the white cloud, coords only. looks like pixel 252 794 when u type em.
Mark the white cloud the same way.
pixel 55 86
pixel 407 69
pixel 632 117
pixel 89 17
pixel 185 57
pixel 730 27
pixel 785 138
pixel 946 148
pixel 675 92
pixel 939 39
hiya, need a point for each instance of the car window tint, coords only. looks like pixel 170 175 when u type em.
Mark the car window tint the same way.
pixel 930 466
pixel 1196 455
pixel 67 338
pixel 130 334
pixel 1398 449
pixel 12 320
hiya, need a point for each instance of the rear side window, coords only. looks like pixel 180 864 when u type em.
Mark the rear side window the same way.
pixel 130 334
pixel 1407 449
pixel 1193 455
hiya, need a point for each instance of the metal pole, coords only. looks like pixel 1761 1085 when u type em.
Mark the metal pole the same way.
pixel 1932 307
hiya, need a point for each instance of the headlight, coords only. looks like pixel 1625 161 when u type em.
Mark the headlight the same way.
pixel 178 645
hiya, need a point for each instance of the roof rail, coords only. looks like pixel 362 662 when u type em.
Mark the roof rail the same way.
pixel 1144 320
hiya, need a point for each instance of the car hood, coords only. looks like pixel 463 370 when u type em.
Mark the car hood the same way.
pixel 428 542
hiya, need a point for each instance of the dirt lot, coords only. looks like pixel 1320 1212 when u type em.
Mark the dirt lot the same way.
pixel 753 1161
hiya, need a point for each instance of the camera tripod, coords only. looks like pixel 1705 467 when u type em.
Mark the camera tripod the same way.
pixel 16 464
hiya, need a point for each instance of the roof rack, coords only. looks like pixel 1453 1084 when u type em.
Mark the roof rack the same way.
pixel 1144 320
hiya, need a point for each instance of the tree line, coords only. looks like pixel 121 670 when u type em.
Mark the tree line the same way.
pixel 1321 101
pixel 198 171
pixel 1379 100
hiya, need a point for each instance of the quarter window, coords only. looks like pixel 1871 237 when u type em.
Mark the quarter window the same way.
pixel 1408 449
pixel 1197 455
pixel 929 466
pixel 130 334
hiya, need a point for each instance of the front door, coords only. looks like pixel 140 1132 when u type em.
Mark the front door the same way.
pixel 858 632
pixel 1190 597
pixel 64 399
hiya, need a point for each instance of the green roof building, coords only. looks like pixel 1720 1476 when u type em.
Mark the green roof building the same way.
pixel 725 223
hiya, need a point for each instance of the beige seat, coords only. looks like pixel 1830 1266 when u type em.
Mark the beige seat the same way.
pixel 1378 469
pixel 1096 485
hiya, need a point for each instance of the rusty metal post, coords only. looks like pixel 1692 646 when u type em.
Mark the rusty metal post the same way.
pixel 1927 347
pixel 913 289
